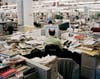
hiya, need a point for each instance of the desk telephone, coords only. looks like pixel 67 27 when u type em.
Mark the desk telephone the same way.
pixel 70 43
pixel 67 43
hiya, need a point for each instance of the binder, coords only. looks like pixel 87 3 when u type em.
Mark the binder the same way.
pixel 7 72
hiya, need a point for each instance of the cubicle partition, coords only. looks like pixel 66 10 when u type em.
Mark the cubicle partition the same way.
pixel 44 72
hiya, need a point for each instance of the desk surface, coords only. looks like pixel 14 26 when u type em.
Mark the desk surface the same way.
pixel 90 52
pixel 3 22
pixel 37 41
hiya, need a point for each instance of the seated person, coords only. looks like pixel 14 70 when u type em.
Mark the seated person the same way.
pixel 49 20
pixel 10 27
pixel 36 24
pixel 51 39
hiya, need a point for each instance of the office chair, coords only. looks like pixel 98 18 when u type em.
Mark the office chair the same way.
pixel 95 29
pixel 34 53
pixel 68 68
pixel 52 49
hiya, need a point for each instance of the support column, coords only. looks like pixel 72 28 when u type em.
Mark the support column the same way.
pixel 27 12
pixel 20 12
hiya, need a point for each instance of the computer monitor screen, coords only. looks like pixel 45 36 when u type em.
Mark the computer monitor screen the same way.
pixel 64 26
pixel 52 27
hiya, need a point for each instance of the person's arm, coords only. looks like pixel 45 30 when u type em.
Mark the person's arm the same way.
pixel 59 43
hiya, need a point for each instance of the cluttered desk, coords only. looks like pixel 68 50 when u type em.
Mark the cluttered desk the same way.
pixel 19 67
pixel 23 43
pixel 86 42
pixel 30 40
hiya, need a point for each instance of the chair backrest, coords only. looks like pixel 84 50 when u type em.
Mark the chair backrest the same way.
pixel 68 68
pixel 34 53
pixel 52 49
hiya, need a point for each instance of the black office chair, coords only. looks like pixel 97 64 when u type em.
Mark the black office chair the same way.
pixel 68 68
pixel 34 53
pixel 52 49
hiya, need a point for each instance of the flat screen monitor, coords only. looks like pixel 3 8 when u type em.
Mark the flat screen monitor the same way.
pixel 64 26
pixel 55 27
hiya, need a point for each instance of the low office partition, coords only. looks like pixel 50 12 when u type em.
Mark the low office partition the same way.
pixel 48 71
pixel 90 67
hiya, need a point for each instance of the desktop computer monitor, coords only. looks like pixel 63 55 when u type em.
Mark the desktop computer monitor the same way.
pixel 64 26
pixel 52 27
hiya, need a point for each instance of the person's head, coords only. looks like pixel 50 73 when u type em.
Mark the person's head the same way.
pixel 51 32
pixel 11 20
pixel 88 19
pixel 50 22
